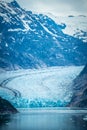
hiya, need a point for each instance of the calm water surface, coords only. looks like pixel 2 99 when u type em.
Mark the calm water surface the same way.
pixel 45 119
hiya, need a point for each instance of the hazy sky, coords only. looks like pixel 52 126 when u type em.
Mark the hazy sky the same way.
pixel 57 7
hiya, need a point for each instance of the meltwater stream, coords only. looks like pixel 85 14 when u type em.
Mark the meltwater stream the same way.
pixel 46 119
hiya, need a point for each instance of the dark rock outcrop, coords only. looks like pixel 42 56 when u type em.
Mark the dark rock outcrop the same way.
pixel 6 107
pixel 79 98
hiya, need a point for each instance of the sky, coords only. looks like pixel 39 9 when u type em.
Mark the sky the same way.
pixel 56 7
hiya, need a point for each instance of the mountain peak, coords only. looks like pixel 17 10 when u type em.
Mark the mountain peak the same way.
pixel 15 4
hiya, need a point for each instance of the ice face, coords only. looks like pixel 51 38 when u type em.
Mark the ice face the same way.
pixel 49 87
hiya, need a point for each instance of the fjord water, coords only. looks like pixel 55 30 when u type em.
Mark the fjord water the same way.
pixel 46 119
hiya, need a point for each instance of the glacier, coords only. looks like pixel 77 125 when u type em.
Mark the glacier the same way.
pixel 47 87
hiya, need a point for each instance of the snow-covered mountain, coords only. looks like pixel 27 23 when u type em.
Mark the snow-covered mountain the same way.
pixel 29 40
pixel 76 26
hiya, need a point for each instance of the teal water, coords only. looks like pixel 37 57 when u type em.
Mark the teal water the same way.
pixel 45 119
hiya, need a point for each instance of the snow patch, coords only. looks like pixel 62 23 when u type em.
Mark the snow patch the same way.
pixel 47 30
pixel 25 23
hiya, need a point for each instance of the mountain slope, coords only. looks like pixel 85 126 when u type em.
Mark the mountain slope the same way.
pixel 79 98
pixel 30 40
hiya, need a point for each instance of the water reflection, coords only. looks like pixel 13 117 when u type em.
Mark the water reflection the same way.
pixel 78 121
pixel 45 121
pixel 4 119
